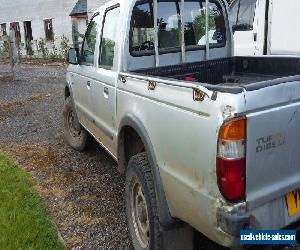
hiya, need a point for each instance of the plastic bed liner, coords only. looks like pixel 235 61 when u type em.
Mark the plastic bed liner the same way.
pixel 232 72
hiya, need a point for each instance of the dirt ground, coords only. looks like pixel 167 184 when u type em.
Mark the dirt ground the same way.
pixel 82 192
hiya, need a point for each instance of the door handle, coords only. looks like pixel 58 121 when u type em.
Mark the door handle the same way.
pixel 88 83
pixel 106 91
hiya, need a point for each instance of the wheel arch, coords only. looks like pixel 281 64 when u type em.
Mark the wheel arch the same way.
pixel 132 122
pixel 67 91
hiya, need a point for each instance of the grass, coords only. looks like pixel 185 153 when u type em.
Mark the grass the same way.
pixel 23 221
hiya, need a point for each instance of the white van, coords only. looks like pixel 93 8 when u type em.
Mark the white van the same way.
pixel 266 27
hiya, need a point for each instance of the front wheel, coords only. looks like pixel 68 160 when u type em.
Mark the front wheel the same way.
pixel 75 134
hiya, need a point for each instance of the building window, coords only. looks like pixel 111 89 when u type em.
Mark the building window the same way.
pixel 28 31
pixel 28 37
pixel 49 35
pixel 16 27
pixel 3 29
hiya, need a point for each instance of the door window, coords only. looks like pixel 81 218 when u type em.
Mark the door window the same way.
pixel 89 44
pixel 108 39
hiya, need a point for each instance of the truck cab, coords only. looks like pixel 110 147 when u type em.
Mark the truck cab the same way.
pixel 265 27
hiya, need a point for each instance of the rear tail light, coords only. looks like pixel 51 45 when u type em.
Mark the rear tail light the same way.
pixel 231 163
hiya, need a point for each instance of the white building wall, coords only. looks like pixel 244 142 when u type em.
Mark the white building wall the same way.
pixel 36 11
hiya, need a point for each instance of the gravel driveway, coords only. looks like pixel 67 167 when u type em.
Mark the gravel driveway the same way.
pixel 83 192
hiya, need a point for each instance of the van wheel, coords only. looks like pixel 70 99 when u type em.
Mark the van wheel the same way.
pixel 75 134
pixel 141 206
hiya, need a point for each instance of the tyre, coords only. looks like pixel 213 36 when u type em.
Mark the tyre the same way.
pixel 75 134
pixel 141 206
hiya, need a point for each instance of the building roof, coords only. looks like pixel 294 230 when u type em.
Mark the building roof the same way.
pixel 80 8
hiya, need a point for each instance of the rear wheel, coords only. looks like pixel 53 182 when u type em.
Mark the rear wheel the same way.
pixel 141 204
pixel 75 134
pixel 144 225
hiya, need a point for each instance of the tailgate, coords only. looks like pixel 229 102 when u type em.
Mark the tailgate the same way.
pixel 273 153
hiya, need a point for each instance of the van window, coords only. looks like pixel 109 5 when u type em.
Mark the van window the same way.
pixel 142 31
pixel 242 13
pixel 88 46
pixel 108 39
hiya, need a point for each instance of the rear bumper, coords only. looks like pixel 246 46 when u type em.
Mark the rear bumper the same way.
pixel 232 221
pixel 270 216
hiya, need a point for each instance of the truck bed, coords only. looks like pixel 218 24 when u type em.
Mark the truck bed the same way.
pixel 234 71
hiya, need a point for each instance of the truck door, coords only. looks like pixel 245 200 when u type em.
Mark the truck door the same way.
pixel 245 16
pixel 103 89
pixel 81 82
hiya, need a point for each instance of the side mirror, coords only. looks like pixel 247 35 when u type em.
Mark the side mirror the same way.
pixel 73 56
pixel 242 27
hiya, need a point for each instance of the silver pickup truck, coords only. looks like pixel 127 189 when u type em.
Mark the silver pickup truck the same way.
pixel 207 141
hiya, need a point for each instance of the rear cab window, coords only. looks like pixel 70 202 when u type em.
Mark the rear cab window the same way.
pixel 142 35
pixel 142 28
pixel 195 24
pixel 169 30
